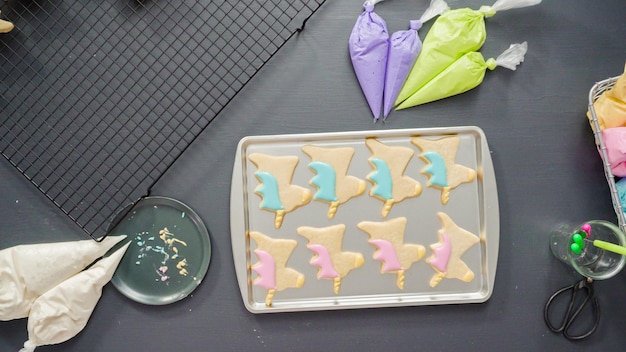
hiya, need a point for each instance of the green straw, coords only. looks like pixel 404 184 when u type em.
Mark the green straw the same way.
pixel 611 247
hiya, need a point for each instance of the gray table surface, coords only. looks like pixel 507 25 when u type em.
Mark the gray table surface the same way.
pixel 546 165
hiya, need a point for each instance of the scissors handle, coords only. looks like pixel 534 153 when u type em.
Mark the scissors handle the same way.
pixel 572 313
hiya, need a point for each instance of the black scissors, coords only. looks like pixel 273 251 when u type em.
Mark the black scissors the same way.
pixel 582 289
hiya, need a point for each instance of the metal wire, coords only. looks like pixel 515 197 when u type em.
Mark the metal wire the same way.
pixel 99 98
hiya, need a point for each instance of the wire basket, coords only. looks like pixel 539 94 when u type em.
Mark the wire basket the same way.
pixel 595 92
pixel 99 98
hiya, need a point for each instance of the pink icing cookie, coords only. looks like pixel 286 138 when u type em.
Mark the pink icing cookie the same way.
pixel 615 142
pixel 272 271
pixel 388 239
pixel 446 260
pixel 333 263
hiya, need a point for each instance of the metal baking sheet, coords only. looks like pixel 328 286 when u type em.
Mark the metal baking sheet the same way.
pixel 472 206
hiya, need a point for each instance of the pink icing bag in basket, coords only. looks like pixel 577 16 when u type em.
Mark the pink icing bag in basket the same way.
pixel 615 143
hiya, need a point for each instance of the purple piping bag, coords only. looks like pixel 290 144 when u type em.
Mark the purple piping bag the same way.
pixel 403 51
pixel 404 48
pixel 369 45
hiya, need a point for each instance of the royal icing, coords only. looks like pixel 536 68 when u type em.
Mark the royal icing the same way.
pixel 437 169
pixel 387 254
pixel 323 261
pixel 325 180
pixel 441 254
pixel 266 270
pixel 382 177
pixel 269 190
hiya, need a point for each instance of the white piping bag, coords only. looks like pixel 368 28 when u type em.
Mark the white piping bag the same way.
pixel 63 311
pixel 28 271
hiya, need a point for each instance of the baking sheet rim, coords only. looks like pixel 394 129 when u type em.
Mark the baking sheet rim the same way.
pixel 491 221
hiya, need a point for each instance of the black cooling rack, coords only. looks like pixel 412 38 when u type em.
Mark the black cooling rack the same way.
pixel 99 98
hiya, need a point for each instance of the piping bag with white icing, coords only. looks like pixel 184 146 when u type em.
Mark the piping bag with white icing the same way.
pixel 29 271
pixel 63 311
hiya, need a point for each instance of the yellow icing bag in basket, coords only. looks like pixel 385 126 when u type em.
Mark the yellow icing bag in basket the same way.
pixel 610 107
